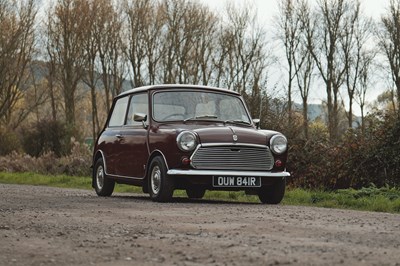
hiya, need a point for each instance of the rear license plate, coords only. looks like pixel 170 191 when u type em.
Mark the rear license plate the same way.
pixel 236 181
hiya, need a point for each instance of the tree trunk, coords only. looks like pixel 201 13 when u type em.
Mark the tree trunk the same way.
pixel 351 112
pixel 69 101
pixel 305 118
pixel 95 118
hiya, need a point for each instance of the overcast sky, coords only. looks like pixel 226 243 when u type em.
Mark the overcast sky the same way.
pixel 268 8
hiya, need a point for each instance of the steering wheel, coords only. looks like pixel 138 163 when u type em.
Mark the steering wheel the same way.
pixel 172 115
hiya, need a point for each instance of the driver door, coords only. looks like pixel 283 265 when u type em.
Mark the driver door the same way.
pixel 134 149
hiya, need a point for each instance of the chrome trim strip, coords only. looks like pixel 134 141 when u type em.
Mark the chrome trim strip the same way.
pixel 128 177
pixel 232 144
pixel 104 160
pixel 226 173
pixel 162 154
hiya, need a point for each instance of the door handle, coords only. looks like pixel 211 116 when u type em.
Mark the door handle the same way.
pixel 119 136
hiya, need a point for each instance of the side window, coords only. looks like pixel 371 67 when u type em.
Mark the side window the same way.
pixel 138 104
pixel 118 114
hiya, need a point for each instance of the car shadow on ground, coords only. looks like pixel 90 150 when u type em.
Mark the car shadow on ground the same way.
pixel 146 198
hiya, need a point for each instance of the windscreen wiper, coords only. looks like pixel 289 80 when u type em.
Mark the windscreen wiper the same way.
pixel 237 122
pixel 200 117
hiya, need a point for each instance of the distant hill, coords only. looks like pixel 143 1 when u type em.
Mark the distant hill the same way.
pixel 40 72
pixel 317 111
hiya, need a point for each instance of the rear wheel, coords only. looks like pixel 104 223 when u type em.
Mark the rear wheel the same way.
pixel 103 185
pixel 195 193
pixel 161 186
pixel 274 193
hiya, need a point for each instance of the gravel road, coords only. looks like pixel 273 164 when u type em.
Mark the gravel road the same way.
pixel 53 226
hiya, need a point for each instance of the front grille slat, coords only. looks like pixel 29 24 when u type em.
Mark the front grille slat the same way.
pixel 233 158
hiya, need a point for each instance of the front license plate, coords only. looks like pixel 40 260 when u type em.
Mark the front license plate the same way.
pixel 236 181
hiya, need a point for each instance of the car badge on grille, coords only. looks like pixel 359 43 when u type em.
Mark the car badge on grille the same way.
pixel 235 138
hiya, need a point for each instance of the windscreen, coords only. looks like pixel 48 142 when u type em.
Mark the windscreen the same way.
pixel 198 105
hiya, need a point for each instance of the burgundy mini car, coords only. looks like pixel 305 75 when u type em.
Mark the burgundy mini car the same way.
pixel 195 138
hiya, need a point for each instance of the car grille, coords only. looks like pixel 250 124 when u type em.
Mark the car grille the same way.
pixel 233 158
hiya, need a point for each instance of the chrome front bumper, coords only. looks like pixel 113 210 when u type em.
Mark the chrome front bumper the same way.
pixel 178 172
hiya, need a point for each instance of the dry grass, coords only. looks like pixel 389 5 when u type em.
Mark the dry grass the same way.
pixel 76 164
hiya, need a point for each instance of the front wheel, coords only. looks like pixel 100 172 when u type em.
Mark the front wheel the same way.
pixel 161 186
pixel 103 185
pixel 274 193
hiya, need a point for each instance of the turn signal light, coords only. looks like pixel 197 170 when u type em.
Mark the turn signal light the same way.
pixel 278 163
pixel 185 161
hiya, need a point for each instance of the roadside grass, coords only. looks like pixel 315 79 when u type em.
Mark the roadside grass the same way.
pixel 367 199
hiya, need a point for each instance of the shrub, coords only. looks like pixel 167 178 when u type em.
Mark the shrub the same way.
pixel 46 136
pixel 9 142
pixel 357 160
pixel 311 163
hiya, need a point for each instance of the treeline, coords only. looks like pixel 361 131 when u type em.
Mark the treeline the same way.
pixel 61 65
pixel 100 44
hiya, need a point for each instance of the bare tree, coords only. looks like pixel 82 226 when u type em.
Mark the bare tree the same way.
pixel 16 48
pixel 243 46
pixel 354 45
pixel 34 97
pixel 388 34
pixel 258 82
pixel 289 34
pixel 174 13
pixel 333 17
pixel 184 32
pixel 195 54
pixel 153 37
pixel 66 25
pixel 223 59
pixel 138 21
pixel 182 24
pixel 111 49
pixel 91 77
pixel 303 61
pixel 205 46
pixel 51 77
pixel 366 62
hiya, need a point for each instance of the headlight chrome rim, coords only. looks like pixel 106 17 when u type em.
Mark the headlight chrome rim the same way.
pixel 276 147
pixel 186 141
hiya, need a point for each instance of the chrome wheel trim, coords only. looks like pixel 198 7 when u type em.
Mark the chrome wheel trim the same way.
pixel 155 179
pixel 100 177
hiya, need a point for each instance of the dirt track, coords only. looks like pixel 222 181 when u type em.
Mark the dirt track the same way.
pixel 51 226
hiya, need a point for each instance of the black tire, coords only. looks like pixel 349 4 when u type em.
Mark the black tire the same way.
pixel 161 186
pixel 195 193
pixel 103 185
pixel 274 193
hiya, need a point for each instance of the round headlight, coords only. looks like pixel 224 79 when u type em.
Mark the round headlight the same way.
pixel 186 141
pixel 278 144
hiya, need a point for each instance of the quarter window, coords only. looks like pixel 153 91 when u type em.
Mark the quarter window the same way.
pixel 138 104
pixel 118 115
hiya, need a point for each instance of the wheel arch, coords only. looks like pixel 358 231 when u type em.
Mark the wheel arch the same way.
pixel 99 154
pixel 154 154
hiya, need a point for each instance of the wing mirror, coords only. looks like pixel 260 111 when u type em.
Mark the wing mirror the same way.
pixel 257 122
pixel 140 117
